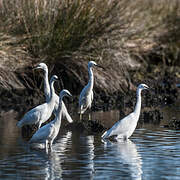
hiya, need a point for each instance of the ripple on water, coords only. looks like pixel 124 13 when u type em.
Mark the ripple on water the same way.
pixel 151 153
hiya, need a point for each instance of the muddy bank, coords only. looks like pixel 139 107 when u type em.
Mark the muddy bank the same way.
pixel 22 89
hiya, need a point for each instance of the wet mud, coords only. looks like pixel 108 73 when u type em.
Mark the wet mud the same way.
pixel 164 91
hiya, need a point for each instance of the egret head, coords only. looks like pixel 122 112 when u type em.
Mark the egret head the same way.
pixel 143 86
pixel 42 66
pixel 92 63
pixel 54 78
pixel 65 92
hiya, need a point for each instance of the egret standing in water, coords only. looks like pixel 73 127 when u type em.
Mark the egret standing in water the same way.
pixel 125 127
pixel 49 132
pixel 47 92
pixel 86 95
pixel 41 113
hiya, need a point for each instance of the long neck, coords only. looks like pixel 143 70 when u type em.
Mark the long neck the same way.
pixel 51 100
pixel 91 78
pixel 138 104
pixel 46 85
pixel 57 120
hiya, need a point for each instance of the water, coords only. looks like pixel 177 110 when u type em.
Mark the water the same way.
pixel 153 152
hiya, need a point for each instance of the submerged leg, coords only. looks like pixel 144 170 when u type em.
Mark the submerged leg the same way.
pixel 125 138
pixel 50 145
pixel 120 136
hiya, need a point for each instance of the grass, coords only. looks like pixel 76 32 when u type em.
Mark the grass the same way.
pixel 108 32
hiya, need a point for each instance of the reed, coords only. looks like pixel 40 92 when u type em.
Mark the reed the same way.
pixel 106 31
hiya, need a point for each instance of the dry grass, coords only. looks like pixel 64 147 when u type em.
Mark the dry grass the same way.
pixel 110 32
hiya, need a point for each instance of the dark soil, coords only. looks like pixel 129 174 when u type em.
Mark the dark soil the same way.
pixel 163 92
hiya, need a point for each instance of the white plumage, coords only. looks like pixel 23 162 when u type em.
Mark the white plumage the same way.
pixel 86 95
pixel 126 126
pixel 47 93
pixel 49 132
pixel 41 113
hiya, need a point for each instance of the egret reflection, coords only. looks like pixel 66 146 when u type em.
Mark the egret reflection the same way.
pixel 127 153
pixel 79 163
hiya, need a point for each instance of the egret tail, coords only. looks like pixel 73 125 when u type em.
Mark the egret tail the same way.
pixel 68 117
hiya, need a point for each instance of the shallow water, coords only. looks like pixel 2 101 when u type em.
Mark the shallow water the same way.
pixel 152 152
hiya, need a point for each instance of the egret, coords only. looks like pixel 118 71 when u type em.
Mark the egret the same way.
pixel 65 113
pixel 41 113
pixel 49 132
pixel 124 128
pixel 86 95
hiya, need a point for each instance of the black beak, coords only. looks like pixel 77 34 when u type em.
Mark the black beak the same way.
pixel 70 95
pixel 147 88
pixel 100 67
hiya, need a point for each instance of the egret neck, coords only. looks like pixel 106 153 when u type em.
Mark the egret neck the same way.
pixel 51 100
pixel 46 85
pixel 91 78
pixel 57 121
pixel 138 104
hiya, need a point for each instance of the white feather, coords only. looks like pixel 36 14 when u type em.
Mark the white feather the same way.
pixel 125 127
pixel 48 133
pixel 65 113
pixel 41 113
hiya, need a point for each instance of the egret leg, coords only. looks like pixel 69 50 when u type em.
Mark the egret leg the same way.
pixel 125 138
pixel 89 116
pixel 50 145
pixel 46 146
pixel 80 117
pixel 39 125
pixel 120 136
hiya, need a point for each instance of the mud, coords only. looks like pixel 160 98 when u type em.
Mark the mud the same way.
pixel 29 93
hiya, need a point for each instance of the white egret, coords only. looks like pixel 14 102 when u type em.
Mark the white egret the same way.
pixel 41 113
pixel 86 95
pixel 47 93
pixel 125 127
pixel 49 132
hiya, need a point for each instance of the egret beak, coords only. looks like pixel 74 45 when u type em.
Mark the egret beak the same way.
pixel 70 95
pixel 100 67
pixel 146 87
pixel 37 67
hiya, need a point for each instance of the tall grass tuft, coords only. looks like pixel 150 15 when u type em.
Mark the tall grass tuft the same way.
pixel 108 31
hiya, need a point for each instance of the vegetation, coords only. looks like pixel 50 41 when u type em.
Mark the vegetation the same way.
pixel 107 31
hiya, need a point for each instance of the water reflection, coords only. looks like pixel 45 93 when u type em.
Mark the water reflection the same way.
pixel 8 134
pixel 80 162
pixel 128 153
pixel 128 156
pixel 35 164
pixel 53 169
pixel 152 153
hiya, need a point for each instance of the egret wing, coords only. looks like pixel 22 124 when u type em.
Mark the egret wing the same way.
pixel 120 127
pixel 31 117
pixel 83 99
pixel 65 113
pixel 43 133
